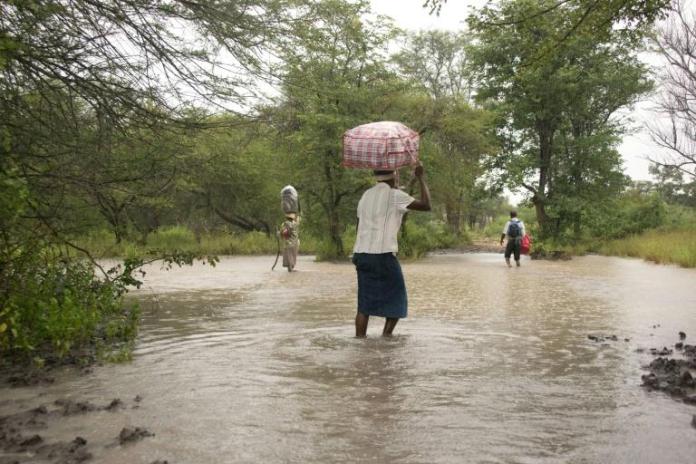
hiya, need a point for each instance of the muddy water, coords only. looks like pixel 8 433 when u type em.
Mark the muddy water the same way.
pixel 240 364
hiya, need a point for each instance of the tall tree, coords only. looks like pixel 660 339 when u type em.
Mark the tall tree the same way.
pixel 555 108
pixel 588 16
pixel 457 136
pixel 437 62
pixel 676 42
pixel 334 78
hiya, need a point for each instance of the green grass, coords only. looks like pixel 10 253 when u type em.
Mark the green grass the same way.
pixel 101 244
pixel 660 246
pixel 418 240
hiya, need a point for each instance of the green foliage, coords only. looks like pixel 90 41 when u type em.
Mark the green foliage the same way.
pixel 420 237
pixel 57 306
pixel 630 214
pixel 220 242
pixel 457 137
pixel 173 237
pixel 660 246
pixel 673 184
pixel 555 95
pixel 334 77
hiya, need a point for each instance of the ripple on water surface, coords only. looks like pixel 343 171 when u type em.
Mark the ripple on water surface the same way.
pixel 240 364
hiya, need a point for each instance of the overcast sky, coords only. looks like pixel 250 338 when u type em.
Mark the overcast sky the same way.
pixel 410 15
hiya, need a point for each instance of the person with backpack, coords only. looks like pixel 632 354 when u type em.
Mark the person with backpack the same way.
pixel 514 231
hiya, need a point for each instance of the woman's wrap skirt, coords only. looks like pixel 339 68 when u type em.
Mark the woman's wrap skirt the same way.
pixel 381 288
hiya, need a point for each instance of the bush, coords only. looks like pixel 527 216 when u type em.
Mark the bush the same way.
pixel 55 306
pixel 660 246
pixel 416 239
pixel 172 237
pixel 631 214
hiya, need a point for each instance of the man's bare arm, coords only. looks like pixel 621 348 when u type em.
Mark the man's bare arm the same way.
pixel 424 203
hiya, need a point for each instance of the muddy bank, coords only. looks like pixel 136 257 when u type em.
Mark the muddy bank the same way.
pixel 24 436
pixel 493 246
pixel 676 375
pixel 476 246
pixel 552 255
pixel 22 372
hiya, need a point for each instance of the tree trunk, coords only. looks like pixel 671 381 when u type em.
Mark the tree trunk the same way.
pixel 545 131
pixel 454 217
pixel 542 217
pixel 335 233
pixel 334 220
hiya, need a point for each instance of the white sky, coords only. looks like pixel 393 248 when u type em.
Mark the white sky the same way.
pixel 410 15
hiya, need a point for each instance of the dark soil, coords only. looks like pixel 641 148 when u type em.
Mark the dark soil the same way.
pixel 552 255
pixel 21 440
pixel 674 376
pixel 129 434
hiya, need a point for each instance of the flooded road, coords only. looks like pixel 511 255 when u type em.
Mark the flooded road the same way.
pixel 238 364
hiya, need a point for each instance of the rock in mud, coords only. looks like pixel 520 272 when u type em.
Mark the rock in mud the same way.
pixel 40 410
pixel 663 352
pixel 129 434
pixel 160 461
pixel 30 379
pixel 31 441
pixel 603 338
pixel 651 381
pixel 115 405
pixel 73 452
pixel 682 335
pixel 686 380
pixel 679 345
pixel 674 376
pixel 71 408
pixel 26 419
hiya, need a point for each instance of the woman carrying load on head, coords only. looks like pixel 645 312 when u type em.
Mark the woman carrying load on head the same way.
pixel 290 229
pixel 381 288
pixel 290 233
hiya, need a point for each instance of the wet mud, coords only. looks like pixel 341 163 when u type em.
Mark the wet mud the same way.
pixel 674 376
pixel 22 439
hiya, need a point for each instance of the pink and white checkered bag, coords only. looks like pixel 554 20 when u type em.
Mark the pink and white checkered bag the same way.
pixel 383 145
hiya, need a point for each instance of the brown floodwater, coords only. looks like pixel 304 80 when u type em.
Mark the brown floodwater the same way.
pixel 238 364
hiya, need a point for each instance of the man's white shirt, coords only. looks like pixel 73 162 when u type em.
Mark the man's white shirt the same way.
pixel 380 212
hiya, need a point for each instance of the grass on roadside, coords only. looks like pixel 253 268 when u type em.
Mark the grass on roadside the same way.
pixel 101 244
pixel 660 246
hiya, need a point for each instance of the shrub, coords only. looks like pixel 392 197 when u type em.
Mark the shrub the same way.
pixel 416 239
pixel 54 305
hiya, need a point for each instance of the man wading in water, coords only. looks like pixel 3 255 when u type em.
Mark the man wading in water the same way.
pixel 514 231
pixel 381 288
